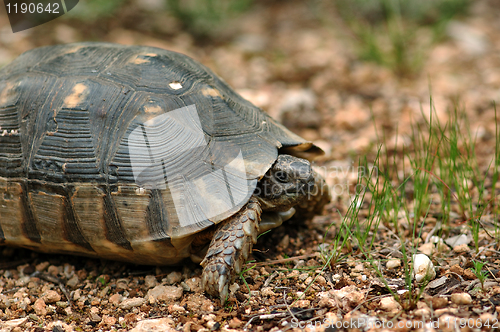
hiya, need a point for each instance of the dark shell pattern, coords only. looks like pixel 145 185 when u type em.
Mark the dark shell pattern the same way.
pixel 125 152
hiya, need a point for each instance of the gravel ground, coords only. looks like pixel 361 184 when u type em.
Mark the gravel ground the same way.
pixel 305 73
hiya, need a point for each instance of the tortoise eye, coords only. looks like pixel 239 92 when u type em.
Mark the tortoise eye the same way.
pixel 281 176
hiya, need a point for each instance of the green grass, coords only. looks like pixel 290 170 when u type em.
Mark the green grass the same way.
pixel 206 18
pixel 93 10
pixel 201 18
pixel 480 274
pixel 397 33
pixel 242 277
pixel 445 180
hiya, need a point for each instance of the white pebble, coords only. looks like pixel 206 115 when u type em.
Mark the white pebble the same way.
pixel 423 268
pixel 336 277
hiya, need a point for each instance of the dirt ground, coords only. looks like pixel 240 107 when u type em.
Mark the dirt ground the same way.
pixel 299 63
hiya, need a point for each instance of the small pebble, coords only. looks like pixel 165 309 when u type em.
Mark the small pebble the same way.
pixel 439 302
pixel 51 296
pixel 175 308
pixel 62 304
pixel 131 303
pixel 40 307
pixel 389 304
pixel 42 266
pixel 73 282
pixel 173 278
pixel 108 320
pixel 461 249
pixel 461 298
pixel 115 299
pixel 53 270
pixel 235 323
pixel 303 303
pixel 423 268
pixel 164 293
pixel 12 324
pixel 150 281
pixel 267 291
pixel 194 284
pixel 321 281
pixel 157 324
pixel 393 263
pixel 95 318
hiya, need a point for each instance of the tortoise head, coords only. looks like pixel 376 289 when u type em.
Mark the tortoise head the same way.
pixel 289 182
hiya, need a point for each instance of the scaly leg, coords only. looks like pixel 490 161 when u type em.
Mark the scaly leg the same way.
pixel 230 247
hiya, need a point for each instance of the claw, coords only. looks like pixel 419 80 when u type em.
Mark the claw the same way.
pixel 223 288
pixel 237 266
pixel 203 280
pixel 224 294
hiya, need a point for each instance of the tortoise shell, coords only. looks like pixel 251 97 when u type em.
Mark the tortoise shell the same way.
pixel 125 152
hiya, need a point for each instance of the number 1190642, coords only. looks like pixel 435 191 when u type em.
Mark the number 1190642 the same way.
pixel 32 7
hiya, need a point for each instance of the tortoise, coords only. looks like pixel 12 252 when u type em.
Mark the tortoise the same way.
pixel 143 155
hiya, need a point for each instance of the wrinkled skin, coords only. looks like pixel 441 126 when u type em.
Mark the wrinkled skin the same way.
pixel 289 183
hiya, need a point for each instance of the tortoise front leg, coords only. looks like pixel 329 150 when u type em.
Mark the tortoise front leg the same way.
pixel 230 248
